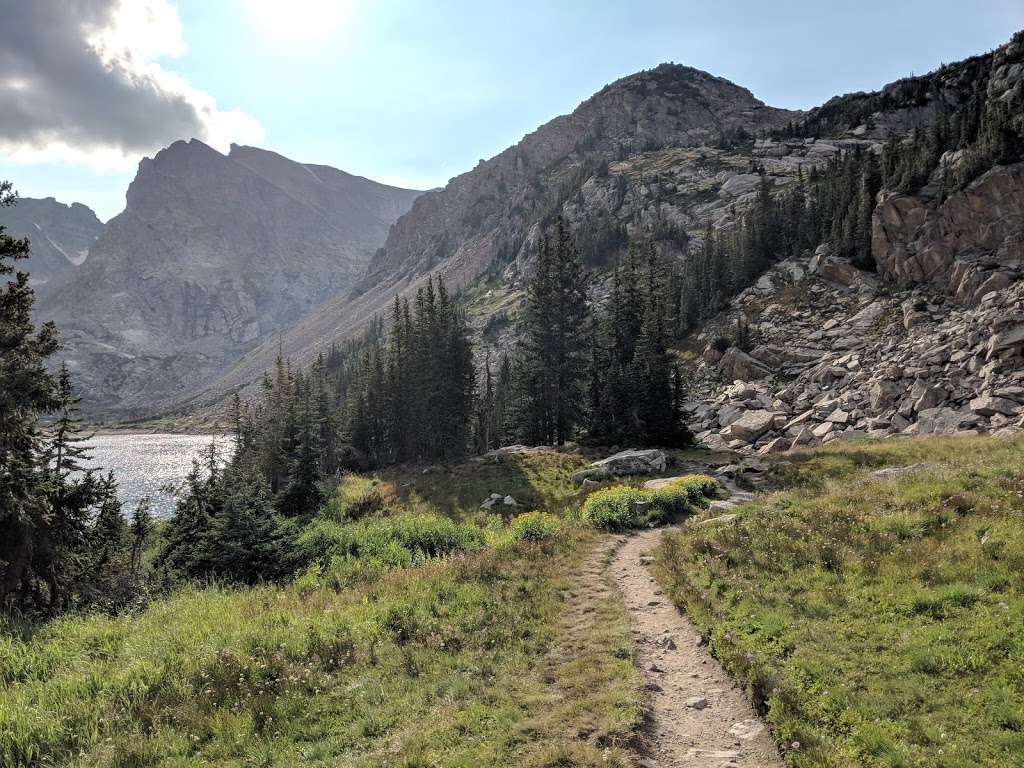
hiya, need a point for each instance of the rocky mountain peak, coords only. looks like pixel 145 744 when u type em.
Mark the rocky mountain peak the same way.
pixel 668 106
pixel 61 236
pixel 212 254
pixel 660 121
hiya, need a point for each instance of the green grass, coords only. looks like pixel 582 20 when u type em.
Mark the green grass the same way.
pixel 449 664
pixel 622 507
pixel 424 632
pixel 878 620
pixel 535 481
pixel 534 526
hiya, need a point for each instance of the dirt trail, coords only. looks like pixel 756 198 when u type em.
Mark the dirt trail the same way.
pixel 699 716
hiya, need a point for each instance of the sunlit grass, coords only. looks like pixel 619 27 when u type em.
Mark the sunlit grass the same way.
pixel 537 481
pixel 446 664
pixel 880 619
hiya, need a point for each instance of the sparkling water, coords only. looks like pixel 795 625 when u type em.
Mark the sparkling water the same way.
pixel 144 464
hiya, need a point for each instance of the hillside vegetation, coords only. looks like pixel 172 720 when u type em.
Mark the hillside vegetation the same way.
pixel 455 662
pixel 422 632
pixel 877 614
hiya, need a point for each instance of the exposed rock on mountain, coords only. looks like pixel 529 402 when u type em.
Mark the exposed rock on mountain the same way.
pixel 61 236
pixel 641 152
pixel 667 154
pixel 212 255
pixel 932 344
pixel 671 151
pixel 483 215
pixel 837 362
pixel 971 244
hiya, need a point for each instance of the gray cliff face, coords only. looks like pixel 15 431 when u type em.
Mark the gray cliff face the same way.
pixel 662 152
pixel 482 214
pixel 60 237
pixel 212 255
pixel 971 243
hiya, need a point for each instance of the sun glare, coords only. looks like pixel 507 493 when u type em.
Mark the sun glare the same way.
pixel 299 21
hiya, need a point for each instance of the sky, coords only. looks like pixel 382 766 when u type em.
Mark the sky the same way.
pixel 410 93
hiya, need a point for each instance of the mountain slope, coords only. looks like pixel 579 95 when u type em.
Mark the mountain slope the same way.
pixel 488 217
pixel 60 235
pixel 212 255
pixel 933 343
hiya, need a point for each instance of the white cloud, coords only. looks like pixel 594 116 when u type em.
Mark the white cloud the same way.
pixel 83 84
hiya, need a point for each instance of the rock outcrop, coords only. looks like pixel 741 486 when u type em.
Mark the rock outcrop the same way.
pixel 640 151
pixel 635 462
pixel 861 363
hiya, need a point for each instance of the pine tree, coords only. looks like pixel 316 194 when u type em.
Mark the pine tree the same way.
pixel 187 548
pixel 245 536
pixel 485 432
pixel 26 392
pixel 552 364
pixel 141 530
pixel 108 579
pixel 72 492
pixel 631 394
pixel 302 494
pixel 655 399
pixel 502 412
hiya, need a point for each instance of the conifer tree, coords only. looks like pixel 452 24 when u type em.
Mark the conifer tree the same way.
pixel 141 531
pixel 553 355
pixel 73 492
pixel 302 494
pixel 26 392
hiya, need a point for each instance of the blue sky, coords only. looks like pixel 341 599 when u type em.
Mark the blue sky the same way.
pixel 413 93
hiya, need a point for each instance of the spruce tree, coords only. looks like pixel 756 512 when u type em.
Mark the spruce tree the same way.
pixel 72 493
pixel 26 392
pixel 141 531
pixel 655 398
pixel 553 356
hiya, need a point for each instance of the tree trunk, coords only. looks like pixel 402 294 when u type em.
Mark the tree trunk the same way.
pixel 16 552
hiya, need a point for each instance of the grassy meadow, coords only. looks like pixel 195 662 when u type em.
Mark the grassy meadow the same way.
pixel 873 603
pixel 424 632
pixel 878 616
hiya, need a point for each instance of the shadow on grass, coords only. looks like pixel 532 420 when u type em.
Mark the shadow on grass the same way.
pixel 535 481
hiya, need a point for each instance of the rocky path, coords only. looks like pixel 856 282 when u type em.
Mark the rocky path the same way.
pixel 699 716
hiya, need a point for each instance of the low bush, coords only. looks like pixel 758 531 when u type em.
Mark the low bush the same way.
pixel 622 507
pixel 355 497
pixel 534 526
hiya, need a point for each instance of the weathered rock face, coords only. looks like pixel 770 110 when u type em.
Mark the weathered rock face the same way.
pixel 60 237
pixel 645 154
pixel 212 255
pixel 750 426
pixel 638 462
pixel 970 245
pixel 737 364
pixel 485 212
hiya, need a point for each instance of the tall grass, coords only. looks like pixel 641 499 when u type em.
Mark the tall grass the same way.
pixel 622 507
pixel 431 666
